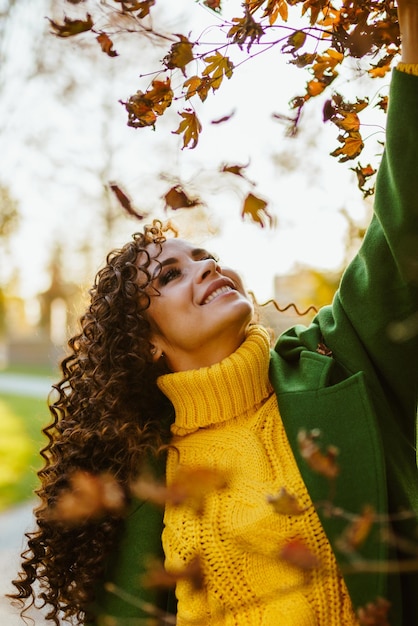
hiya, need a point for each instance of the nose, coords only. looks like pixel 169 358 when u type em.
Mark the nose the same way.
pixel 206 268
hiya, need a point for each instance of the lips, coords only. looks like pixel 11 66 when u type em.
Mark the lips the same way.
pixel 218 287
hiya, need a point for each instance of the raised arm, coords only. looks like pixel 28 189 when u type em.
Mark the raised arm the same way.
pixel 408 21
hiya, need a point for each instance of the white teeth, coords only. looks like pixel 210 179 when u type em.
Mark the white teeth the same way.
pixel 217 292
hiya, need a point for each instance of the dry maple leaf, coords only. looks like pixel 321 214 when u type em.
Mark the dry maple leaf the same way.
pixel 142 6
pixel 245 29
pixel 297 553
pixel 125 202
pixel 357 531
pixel 157 576
pixel 351 148
pixel 217 66
pixel 71 27
pixel 321 463
pixel 88 496
pixel 177 198
pixel 256 208
pixel 181 53
pixel 374 613
pixel 275 8
pixel 106 44
pixel 190 127
pixel 285 503
pixel 363 174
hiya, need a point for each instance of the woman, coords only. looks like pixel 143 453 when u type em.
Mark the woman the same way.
pixel 292 532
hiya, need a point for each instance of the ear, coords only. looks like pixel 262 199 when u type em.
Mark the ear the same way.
pixel 156 351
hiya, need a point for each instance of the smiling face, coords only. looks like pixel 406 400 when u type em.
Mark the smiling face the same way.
pixel 199 311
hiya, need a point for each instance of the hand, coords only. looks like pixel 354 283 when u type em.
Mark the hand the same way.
pixel 408 22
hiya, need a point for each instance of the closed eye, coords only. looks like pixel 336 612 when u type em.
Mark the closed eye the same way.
pixel 170 274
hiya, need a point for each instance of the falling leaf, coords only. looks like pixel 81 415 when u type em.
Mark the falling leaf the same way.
pixel 106 44
pixel 363 174
pixel 374 613
pixel 357 531
pixel 88 496
pixel 321 463
pixel 217 66
pixel 383 103
pixel 297 553
pixel 125 202
pixel 143 6
pixel 71 27
pixel 222 120
pixel 157 576
pixel 351 148
pixel 190 127
pixel 256 208
pixel 285 503
pixel 181 53
pixel 215 5
pixel 294 42
pixel 237 170
pixel 176 198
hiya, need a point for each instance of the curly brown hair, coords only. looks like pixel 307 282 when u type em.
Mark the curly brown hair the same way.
pixel 107 418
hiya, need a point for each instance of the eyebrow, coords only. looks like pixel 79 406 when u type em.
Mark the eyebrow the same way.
pixel 196 252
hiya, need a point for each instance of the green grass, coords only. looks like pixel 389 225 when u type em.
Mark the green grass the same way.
pixel 21 438
pixel 32 370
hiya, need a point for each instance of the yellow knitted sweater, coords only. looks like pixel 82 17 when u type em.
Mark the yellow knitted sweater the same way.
pixel 227 419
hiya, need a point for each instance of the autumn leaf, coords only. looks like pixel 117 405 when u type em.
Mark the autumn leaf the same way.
pixel 217 66
pixel 71 27
pixel 346 120
pixel 326 63
pixel 363 174
pixel 197 85
pixel 143 108
pixel 157 576
pixel 181 53
pixel 357 531
pixel 143 6
pixel 295 41
pixel 88 496
pixel 176 198
pixel 106 44
pixel 256 208
pixel 245 29
pixel 320 462
pixel 285 503
pixel 190 127
pixel 215 5
pixel 223 119
pixel 125 202
pixel 351 148
pixel 297 553
pixel 275 8
pixel 374 613
pixel 237 170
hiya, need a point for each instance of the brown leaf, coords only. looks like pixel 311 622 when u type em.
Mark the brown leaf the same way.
pixel 285 503
pixel 256 208
pixel 374 613
pixel 181 53
pixel 363 174
pixel 71 27
pixel 222 120
pixel 215 5
pixel 190 127
pixel 357 531
pixel 177 198
pixel 106 44
pixel 143 6
pixel 275 8
pixel 158 577
pixel 197 85
pixel 245 29
pixel 321 463
pixel 125 202
pixel 351 148
pixel 297 553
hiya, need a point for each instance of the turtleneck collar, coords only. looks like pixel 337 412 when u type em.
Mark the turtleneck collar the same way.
pixel 210 395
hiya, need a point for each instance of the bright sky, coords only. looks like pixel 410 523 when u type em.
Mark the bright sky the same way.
pixel 53 145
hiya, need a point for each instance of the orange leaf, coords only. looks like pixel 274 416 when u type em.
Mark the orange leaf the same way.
pixel 161 95
pixel 378 71
pixel 180 54
pixel 106 44
pixel 297 553
pixel 374 613
pixel 327 62
pixel 348 121
pixel 285 503
pixel 315 87
pixel 256 209
pixel 196 85
pixel 324 464
pixel 215 5
pixel 357 532
pixel 217 66
pixel 71 27
pixel 190 127
pixel 176 198
pixel 158 576
pixel 275 8
pixel 351 148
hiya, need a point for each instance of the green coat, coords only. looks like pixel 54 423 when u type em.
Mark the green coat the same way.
pixel 362 397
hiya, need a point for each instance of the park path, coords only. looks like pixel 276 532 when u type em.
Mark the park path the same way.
pixel 17 520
